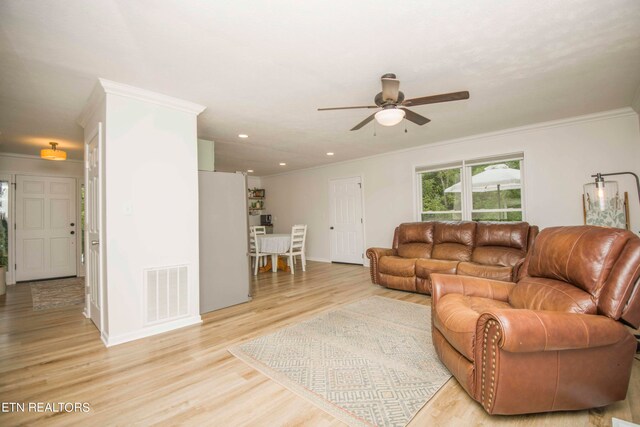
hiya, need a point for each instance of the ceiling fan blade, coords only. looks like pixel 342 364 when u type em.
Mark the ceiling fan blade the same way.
pixel 347 108
pixel 415 117
pixel 445 97
pixel 390 89
pixel 364 122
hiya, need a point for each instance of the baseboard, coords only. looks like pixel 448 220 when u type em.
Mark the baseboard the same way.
pixel 150 331
pixel 318 259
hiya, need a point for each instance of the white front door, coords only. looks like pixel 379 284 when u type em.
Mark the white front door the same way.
pixel 45 227
pixel 346 222
pixel 93 221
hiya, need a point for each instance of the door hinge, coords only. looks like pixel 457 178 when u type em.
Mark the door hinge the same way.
pixel 361 221
pixel 363 256
pixel 360 184
pixel 15 266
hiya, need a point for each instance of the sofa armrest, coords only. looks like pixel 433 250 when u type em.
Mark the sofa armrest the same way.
pixel 442 284
pixel 516 270
pixel 374 254
pixel 526 331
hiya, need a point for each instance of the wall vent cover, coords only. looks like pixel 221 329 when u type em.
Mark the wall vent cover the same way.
pixel 165 294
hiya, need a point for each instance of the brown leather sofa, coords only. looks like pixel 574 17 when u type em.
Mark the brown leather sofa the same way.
pixel 554 340
pixel 482 249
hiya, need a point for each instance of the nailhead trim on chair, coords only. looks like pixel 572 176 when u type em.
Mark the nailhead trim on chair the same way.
pixel 491 323
pixel 374 267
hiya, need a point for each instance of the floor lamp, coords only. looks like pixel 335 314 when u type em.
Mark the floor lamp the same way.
pixel 600 192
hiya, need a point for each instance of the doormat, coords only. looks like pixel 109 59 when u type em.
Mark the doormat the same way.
pixel 56 293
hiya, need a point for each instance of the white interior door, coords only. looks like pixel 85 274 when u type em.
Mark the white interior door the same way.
pixel 45 227
pixel 93 221
pixel 346 222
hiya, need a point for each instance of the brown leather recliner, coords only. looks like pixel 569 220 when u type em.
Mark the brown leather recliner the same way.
pixel 483 249
pixel 554 340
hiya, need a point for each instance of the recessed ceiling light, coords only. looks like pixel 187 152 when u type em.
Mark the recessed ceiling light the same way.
pixel 283 164
pixel 250 170
pixel 243 135
pixel 329 153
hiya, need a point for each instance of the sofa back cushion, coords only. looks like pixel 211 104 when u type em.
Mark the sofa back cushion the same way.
pixel 502 244
pixel 415 240
pixel 582 256
pixel 453 240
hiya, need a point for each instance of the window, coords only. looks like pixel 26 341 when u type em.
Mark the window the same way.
pixel 481 190
pixel 437 202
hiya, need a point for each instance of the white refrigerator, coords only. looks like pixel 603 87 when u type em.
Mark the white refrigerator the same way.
pixel 224 264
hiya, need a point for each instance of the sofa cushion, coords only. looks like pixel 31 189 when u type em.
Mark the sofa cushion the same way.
pixel 398 266
pixel 415 250
pixel 537 293
pixel 456 316
pixel 497 255
pixel 494 272
pixel 506 234
pixel 453 240
pixel 415 232
pixel 424 267
pixel 583 256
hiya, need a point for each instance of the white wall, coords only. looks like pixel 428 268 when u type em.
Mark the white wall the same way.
pixel 20 164
pixel 559 158
pixel 151 172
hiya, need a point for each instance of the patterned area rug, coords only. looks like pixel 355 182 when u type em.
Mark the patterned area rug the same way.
pixel 367 363
pixel 57 293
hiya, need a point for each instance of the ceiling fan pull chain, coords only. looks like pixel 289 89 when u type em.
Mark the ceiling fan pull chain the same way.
pixel 374 128
pixel 405 125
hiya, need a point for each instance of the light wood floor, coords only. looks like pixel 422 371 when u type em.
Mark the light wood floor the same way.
pixel 187 377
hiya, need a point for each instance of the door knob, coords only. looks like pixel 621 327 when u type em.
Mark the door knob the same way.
pixel 73 232
pixel 330 228
pixel 72 224
pixel 94 242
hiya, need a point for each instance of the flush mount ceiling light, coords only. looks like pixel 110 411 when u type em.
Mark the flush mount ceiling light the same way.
pixel 53 153
pixel 390 116
pixel 329 153
pixel 243 135
pixel 283 164
pixel 250 170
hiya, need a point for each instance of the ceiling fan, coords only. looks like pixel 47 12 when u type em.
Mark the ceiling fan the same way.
pixel 393 104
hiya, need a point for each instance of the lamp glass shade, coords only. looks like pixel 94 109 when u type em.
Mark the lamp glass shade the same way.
pixel 390 116
pixel 601 195
pixel 52 154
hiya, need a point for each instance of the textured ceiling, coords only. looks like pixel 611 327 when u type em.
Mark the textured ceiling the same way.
pixel 263 67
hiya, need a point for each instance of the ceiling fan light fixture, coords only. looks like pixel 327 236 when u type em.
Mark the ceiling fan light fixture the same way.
pixel 390 116
pixel 53 153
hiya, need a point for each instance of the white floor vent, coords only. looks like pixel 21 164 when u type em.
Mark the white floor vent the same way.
pixel 166 294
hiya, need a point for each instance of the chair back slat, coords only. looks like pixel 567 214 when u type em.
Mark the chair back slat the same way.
pixel 254 243
pixel 298 237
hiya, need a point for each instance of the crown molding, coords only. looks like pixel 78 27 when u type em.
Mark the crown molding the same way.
pixel 33 157
pixel 603 115
pixel 105 86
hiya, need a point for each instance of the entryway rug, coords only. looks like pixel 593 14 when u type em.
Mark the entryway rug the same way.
pixel 57 293
pixel 367 363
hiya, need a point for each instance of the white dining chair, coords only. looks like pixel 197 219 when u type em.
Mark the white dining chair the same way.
pixel 298 239
pixel 254 247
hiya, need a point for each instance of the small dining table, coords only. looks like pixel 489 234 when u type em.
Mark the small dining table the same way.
pixel 274 244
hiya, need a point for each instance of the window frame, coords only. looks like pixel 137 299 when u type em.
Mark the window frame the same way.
pixel 466 201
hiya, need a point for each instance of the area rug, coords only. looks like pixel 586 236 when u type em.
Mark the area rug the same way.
pixel 57 293
pixel 367 363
